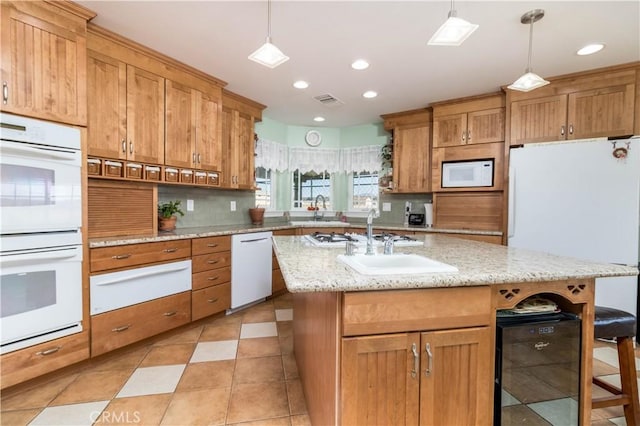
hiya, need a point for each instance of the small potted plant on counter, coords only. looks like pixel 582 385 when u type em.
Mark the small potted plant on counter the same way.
pixel 167 215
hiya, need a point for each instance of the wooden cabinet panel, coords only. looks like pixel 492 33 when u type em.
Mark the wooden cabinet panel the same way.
pixel 210 244
pixel 322 229
pixel 34 361
pixel 246 157
pixel 380 380
pixel 449 130
pixel 200 280
pixel 209 132
pixel 412 159
pixel 210 300
pixel 493 239
pixel 145 116
pixel 367 312
pixel 485 126
pixel 107 106
pixel 44 62
pixel 601 112
pixel 456 377
pixel 277 280
pixel 468 210
pixel 538 120
pixel 180 117
pixel 103 258
pixel 471 152
pixel 121 327
pixel 206 262
pixel 238 150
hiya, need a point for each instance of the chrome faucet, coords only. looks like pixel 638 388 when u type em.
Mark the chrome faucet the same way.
pixel 324 206
pixel 372 212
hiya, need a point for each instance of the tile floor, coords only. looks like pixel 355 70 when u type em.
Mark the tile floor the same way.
pixel 237 369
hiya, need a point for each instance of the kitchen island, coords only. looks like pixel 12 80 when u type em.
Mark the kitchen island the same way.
pixel 409 349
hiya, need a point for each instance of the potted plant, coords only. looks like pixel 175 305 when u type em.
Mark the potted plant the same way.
pixel 257 215
pixel 167 215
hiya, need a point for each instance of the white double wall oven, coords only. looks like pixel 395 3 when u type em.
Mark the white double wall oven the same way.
pixel 40 231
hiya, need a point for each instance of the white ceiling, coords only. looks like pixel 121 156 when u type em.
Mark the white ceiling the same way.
pixel 322 38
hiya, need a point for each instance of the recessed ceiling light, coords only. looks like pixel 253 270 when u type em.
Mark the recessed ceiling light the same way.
pixel 300 84
pixel 370 94
pixel 590 49
pixel 318 119
pixel 360 64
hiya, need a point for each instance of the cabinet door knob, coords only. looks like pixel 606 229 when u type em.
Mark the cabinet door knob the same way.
pixel 5 92
pixel 427 348
pixel 49 351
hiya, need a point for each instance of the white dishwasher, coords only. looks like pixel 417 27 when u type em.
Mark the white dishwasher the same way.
pixel 250 268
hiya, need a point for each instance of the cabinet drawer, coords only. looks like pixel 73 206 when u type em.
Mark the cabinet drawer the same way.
pixel 210 244
pixel 119 328
pixel 210 300
pixel 209 278
pixel 376 312
pixel 104 258
pixel 37 360
pixel 207 262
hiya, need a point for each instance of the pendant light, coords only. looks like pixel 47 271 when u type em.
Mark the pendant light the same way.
pixel 529 79
pixel 453 32
pixel 268 54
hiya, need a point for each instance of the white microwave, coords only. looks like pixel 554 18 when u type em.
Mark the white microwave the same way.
pixel 467 174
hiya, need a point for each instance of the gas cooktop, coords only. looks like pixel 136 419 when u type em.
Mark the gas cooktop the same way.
pixel 333 239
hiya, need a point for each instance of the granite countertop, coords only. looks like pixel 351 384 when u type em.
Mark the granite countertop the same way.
pixel 211 231
pixel 308 268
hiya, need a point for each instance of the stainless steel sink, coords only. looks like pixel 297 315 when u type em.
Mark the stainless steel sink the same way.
pixel 389 264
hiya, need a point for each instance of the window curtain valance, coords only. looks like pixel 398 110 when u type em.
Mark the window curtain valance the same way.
pixel 279 157
pixel 272 155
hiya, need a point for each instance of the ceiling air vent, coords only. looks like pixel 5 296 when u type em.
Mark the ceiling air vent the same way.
pixel 328 100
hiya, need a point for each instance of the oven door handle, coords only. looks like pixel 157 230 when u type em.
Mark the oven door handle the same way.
pixel 140 275
pixel 8 147
pixel 39 256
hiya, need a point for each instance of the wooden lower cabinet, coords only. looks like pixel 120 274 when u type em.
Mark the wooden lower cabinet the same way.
pixel 210 300
pixel 121 327
pixel 277 280
pixel 34 361
pixel 429 378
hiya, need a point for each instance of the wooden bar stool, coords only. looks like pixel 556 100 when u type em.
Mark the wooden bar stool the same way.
pixel 612 323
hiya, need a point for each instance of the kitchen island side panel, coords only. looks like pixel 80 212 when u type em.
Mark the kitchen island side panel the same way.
pixel 316 337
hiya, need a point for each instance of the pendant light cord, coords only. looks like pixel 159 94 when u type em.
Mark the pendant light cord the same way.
pixel 269 20
pixel 530 44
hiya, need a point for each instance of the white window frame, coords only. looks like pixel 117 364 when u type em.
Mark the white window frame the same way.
pixel 272 186
pixel 360 212
pixel 302 211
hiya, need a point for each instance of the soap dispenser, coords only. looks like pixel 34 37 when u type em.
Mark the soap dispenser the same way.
pixel 407 210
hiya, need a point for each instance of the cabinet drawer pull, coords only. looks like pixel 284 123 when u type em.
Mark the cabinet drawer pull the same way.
pixel 427 348
pixel 193 158
pixel 121 328
pixel 213 278
pixel 212 262
pixel 212 300
pixel 170 250
pixel 130 147
pixel 5 92
pixel 121 256
pixel 49 351
pixel 468 135
pixel 561 130
pixel 463 136
pixel 416 361
pixel 212 245
pixel 570 129
pixel 124 146
pixel 170 314
pixel 199 159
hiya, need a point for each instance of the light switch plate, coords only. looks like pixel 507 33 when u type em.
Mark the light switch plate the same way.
pixel 233 206
pixel 386 207
pixel 189 205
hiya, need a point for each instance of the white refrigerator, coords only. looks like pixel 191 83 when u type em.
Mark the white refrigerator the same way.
pixel 580 199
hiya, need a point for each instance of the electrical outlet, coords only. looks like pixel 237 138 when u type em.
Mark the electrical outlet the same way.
pixel 233 206
pixel 386 207
pixel 190 205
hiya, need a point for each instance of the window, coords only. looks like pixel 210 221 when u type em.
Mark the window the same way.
pixel 265 194
pixel 363 191
pixel 307 187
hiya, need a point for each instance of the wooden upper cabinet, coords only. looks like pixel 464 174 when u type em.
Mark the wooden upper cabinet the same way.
pixel 145 116
pixel 412 158
pixel 246 150
pixel 107 106
pixel 44 60
pixel 474 120
pixel 192 128
pixel 594 105
pixel 125 110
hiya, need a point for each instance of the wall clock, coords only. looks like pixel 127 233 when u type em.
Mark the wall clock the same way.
pixel 313 138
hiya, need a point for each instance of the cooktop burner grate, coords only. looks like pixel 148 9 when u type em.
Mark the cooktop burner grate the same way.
pixel 325 237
